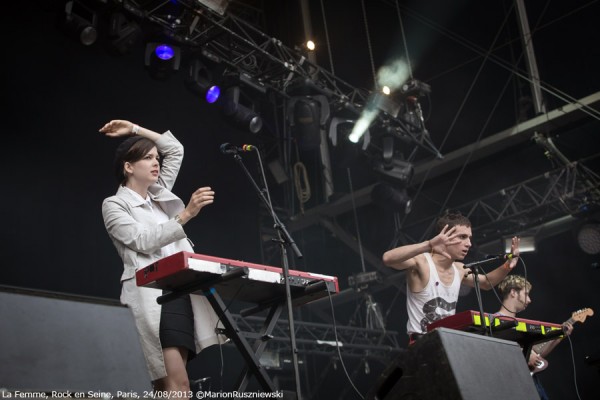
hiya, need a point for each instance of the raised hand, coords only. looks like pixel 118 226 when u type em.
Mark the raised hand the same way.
pixel 514 250
pixel 117 128
pixel 447 237
pixel 200 199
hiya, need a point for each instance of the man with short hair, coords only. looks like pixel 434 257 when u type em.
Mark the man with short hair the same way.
pixel 514 291
pixel 434 272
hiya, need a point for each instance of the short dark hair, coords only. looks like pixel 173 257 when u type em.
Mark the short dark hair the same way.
pixel 452 218
pixel 130 150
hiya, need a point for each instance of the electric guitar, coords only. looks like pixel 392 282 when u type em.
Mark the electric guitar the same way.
pixel 542 364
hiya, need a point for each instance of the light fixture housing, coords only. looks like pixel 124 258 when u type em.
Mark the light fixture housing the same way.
pixel 200 80
pixel 392 198
pixel 588 238
pixel 80 22
pixel 241 115
pixel 162 59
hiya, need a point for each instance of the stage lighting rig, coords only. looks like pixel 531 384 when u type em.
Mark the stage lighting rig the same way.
pixel 414 87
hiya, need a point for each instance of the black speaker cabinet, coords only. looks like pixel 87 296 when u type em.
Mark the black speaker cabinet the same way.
pixel 56 342
pixel 449 364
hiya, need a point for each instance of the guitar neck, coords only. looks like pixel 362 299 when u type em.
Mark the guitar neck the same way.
pixel 538 348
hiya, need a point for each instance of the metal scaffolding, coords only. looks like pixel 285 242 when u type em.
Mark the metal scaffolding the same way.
pixel 529 204
pixel 321 339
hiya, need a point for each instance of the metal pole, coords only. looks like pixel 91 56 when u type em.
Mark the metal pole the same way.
pixel 536 90
pixel 538 100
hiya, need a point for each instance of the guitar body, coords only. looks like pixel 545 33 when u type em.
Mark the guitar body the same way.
pixel 539 366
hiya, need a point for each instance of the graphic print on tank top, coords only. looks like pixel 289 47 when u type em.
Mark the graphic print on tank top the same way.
pixel 436 309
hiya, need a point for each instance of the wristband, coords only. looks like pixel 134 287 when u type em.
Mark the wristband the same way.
pixel 135 129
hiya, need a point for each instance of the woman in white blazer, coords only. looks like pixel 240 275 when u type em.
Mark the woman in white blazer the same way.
pixel 145 223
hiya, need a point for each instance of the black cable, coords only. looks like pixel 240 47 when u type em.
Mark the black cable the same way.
pixel 337 345
pixel 574 367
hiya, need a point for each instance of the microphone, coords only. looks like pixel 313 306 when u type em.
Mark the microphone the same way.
pixel 228 148
pixel 507 256
pixel 504 256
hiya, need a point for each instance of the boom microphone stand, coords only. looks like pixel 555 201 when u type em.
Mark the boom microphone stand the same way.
pixel 474 267
pixel 284 240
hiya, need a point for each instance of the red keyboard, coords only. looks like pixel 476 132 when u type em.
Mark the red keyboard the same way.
pixel 256 283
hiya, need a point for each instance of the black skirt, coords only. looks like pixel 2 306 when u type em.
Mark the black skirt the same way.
pixel 177 325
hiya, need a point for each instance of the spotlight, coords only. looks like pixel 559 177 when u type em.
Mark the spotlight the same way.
pixel 124 33
pixel 306 115
pixel 200 81
pixel 395 171
pixel 414 87
pixel 305 124
pixel 310 45
pixel 588 238
pixel 341 127
pixel 391 198
pixel 240 114
pixel 162 59
pixel 80 21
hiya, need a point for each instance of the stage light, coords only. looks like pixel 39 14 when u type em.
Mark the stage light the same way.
pixel 124 34
pixel 310 45
pixel 392 198
pixel 164 52
pixel 386 90
pixel 414 87
pixel 362 124
pixel 393 74
pixel 305 123
pixel 200 80
pixel 241 115
pixel 588 238
pixel 162 59
pixel 306 115
pixel 394 170
pixel 342 127
pixel 80 21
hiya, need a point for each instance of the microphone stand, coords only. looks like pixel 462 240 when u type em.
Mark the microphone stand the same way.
pixel 284 239
pixel 474 267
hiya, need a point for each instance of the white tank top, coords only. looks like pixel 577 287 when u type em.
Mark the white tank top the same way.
pixel 434 302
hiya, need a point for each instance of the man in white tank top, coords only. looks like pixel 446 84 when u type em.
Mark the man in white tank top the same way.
pixel 433 276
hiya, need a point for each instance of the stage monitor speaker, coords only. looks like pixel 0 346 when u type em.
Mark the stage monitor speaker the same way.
pixel 57 342
pixel 454 365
